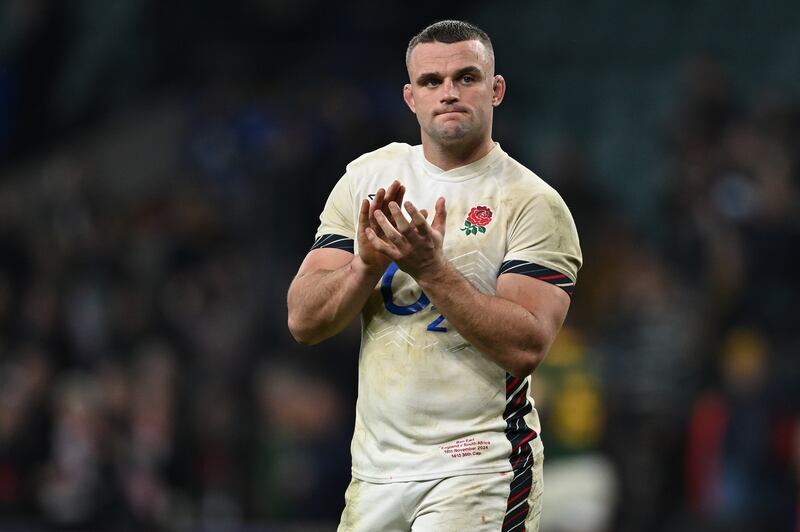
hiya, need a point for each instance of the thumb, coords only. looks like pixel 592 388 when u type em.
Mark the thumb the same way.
pixel 440 220
pixel 363 216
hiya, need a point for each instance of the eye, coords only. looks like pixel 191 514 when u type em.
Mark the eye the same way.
pixel 432 83
pixel 467 78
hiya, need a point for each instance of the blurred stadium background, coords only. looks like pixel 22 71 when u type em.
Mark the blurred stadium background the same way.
pixel 162 167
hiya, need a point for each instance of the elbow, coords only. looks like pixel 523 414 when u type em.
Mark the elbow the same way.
pixel 522 370
pixel 307 328
pixel 526 363
pixel 302 335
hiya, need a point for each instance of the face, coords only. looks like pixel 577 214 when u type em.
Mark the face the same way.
pixel 453 91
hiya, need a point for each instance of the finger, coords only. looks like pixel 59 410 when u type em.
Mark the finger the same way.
pixel 389 230
pixel 376 205
pixel 381 245
pixel 400 221
pixel 418 219
pixel 392 190
pixel 440 219
pixel 395 193
pixel 400 195
pixel 363 215
pixel 377 201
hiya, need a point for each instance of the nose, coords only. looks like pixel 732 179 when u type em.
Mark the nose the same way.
pixel 449 91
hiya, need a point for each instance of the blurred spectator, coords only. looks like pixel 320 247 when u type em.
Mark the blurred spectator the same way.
pixel 301 440
pixel 738 465
pixel 25 381
pixel 582 485
pixel 74 491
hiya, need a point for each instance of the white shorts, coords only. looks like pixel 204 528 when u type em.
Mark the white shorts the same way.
pixel 489 502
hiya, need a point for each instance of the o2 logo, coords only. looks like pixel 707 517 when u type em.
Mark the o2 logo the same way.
pixel 407 310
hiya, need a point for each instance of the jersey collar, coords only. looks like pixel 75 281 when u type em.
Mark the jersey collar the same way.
pixel 462 173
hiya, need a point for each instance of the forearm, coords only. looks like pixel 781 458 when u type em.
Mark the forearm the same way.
pixel 502 330
pixel 322 303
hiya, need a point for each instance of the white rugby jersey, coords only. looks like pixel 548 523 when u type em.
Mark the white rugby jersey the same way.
pixel 430 405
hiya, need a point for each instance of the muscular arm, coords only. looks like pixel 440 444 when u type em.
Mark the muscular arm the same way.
pixel 330 289
pixel 515 328
pixel 332 285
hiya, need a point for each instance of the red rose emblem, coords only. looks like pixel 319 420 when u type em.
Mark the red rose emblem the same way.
pixel 480 216
pixel 477 220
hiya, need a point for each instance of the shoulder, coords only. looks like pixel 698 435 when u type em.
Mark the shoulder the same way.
pixel 389 154
pixel 524 187
pixel 541 229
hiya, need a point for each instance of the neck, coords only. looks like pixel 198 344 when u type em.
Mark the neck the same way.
pixel 449 156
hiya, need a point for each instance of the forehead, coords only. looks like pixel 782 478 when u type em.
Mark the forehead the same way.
pixel 447 57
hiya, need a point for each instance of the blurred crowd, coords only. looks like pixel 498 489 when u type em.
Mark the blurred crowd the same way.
pixel 147 380
pixel 679 361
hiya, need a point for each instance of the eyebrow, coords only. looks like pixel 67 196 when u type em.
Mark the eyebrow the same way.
pixel 427 76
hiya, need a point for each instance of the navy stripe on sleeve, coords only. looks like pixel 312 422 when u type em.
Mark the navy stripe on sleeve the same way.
pixel 334 241
pixel 538 272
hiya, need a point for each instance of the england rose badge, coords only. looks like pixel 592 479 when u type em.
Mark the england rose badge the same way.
pixel 477 220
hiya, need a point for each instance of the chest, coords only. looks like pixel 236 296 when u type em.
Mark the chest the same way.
pixel 478 213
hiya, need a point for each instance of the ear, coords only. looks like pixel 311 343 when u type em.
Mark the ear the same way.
pixel 408 96
pixel 498 90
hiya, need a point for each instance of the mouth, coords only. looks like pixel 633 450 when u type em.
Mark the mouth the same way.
pixel 449 113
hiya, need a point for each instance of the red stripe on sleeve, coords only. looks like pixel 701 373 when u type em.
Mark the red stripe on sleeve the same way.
pixel 550 277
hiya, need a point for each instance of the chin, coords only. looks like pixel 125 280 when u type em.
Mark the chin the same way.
pixel 450 135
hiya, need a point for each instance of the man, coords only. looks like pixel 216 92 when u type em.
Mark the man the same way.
pixel 456 313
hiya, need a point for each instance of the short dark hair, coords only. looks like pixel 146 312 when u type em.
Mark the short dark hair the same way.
pixel 450 31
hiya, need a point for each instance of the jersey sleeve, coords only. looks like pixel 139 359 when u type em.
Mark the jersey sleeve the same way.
pixel 337 226
pixel 543 243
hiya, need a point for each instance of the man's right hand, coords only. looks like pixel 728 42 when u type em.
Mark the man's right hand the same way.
pixel 332 286
pixel 373 259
